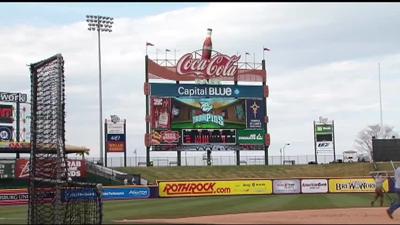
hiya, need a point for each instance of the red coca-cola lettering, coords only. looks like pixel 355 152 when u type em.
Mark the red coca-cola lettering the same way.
pixel 190 188
pixel 217 66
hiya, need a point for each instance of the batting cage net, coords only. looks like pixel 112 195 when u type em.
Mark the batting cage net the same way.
pixel 53 197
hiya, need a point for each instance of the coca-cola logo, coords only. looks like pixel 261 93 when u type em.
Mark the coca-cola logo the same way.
pixel 217 66
pixel 170 136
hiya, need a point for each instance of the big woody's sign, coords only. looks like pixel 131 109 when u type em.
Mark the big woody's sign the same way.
pixel 217 66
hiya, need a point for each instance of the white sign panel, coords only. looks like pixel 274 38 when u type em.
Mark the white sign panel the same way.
pixel 324 146
pixel 115 128
pixel 286 186
pixel 314 186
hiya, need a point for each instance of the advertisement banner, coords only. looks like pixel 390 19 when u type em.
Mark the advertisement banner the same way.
pixel 208 113
pixel 323 129
pixel 207 188
pixel 109 193
pixel 255 114
pixel 6 133
pixel 160 109
pixel 115 137
pixel 193 90
pixel 286 186
pixel 76 168
pixel 6 113
pixel 126 193
pixel 115 146
pixel 7 168
pixel 164 137
pixel 13 97
pixel 14 197
pixel 324 137
pixel 251 137
pixel 115 128
pixel 189 68
pixel 314 186
pixel 355 185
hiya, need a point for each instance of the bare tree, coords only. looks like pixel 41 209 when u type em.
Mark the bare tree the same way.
pixel 363 142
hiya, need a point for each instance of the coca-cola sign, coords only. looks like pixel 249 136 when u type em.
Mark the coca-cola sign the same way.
pixel 218 66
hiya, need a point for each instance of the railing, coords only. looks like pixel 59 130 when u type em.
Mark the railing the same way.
pixel 162 161
pixel 106 172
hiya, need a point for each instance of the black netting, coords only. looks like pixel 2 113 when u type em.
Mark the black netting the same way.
pixel 52 198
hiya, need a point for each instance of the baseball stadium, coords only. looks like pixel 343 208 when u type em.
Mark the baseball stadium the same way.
pixel 212 101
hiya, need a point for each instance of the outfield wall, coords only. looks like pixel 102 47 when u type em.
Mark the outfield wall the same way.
pixel 196 188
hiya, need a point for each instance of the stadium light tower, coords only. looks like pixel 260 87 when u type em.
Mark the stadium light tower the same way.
pixel 283 152
pixel 100 24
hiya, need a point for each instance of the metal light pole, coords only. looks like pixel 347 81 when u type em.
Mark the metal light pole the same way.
pixel 380 99
pixel 100 24
pixel 283 152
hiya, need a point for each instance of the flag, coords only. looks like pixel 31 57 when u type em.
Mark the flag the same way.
pixel 267 49
pixel 247 53
pixel 149 44
pixel 167 50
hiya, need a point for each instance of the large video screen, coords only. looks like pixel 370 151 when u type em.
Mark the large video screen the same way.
pixel 203 113
pixel 186 121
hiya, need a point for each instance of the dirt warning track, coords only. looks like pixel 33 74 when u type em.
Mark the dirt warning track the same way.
pixel 375 215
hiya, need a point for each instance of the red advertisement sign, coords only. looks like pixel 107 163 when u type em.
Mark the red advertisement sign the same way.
pixel 161 113
pixel 115 146
pixel 14 197
pixel 221 67
pixel 170 136
pixel 6 113
pixel 217 66
pixel 76 168
pixel 166 137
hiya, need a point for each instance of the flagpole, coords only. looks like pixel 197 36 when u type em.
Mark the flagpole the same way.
pixel 254 60
pixel 263 53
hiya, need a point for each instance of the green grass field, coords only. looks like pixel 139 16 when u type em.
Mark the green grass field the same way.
pixel 200 206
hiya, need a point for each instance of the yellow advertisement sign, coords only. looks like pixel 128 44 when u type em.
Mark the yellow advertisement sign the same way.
pixel 204 188
pixel 355 185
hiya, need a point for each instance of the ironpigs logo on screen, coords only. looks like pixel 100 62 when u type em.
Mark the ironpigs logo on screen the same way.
pixel 207 107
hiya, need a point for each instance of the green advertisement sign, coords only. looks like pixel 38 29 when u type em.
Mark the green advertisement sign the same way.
pixel 323 129
pixel 7 168
pixel 251 137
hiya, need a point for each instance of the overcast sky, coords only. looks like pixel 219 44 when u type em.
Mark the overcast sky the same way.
pixel 323 61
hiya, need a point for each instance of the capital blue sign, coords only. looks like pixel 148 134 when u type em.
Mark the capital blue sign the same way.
pixel 193 90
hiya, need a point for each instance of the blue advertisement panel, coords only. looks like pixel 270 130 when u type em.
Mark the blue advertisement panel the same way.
pixel 126 193
pixel 115 137
pixel 109 194
pixel 6 133
pixel 193 90
pixel 255 113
